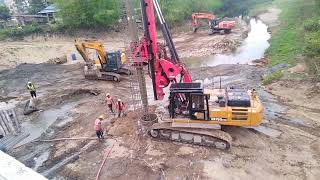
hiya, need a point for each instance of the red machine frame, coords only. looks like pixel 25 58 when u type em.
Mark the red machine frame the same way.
pixel 163 69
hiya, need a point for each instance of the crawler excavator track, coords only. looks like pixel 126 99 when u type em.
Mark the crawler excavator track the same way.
pixel 210 138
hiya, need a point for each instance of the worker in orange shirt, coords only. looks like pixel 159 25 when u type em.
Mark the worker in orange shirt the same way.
pixel 110 102
pixel 120 107
pixel 98 127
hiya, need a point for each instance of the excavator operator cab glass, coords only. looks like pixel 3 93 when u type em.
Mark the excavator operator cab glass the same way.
pixel 199 108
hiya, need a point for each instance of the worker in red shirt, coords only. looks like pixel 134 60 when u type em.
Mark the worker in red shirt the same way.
pixel 110 102
pixel 98 127
pixel 120 107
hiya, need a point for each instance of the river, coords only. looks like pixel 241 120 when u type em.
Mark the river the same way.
pixel 252 48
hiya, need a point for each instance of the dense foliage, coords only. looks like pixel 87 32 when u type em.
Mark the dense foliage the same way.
pixel 88 13
pixel 238 7
pixel 4 13
pixel 298 35
pixel 19 32
pixel 105 13
pixel 177 11
pixel 30 6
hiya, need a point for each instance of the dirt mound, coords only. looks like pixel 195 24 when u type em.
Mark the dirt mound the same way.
pixel 58 60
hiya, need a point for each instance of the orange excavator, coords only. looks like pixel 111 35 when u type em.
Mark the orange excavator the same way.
pixel 216 24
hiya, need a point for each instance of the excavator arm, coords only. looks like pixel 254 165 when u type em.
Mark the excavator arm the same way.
pixel 196 16
pixel 96 45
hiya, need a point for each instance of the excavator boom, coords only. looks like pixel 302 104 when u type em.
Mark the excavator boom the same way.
pixel 96 45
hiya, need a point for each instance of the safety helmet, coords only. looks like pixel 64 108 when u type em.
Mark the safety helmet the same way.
pixel 107 94
pixel 29 82
pixel 101 117
pixel 119 100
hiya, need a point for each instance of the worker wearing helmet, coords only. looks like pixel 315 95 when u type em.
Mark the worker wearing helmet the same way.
pixel 120 107
pixel 109 102
pixel 98 127
pixel 32 89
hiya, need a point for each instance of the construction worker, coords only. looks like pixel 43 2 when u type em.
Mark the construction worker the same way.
pixel 98 127
pixel 120 107
pixel 32 88
pixel 110 102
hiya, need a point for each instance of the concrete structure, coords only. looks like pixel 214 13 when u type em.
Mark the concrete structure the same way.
pixel 11 169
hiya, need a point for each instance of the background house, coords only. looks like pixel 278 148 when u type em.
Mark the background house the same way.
pixel 49 12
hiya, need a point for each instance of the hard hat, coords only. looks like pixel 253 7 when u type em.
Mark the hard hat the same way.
pixel 29 82
pixel 119 99
pixel 107 94
pixel 101 117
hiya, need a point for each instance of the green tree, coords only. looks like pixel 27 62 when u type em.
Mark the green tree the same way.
pixel 36 5
pixel 178 11
pixel 4 13
pixel 88 13
pixel 22 6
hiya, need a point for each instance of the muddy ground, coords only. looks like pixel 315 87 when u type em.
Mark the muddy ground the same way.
pixel 286 146
pixel 41 48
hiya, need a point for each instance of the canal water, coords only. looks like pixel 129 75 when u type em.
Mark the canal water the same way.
pixel 252 48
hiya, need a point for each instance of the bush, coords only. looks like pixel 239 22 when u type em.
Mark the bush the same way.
pixel 272 77
pixel 312 47
pixel 20 32
pixel 312 25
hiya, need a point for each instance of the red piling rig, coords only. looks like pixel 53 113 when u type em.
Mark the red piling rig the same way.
pixel 163 70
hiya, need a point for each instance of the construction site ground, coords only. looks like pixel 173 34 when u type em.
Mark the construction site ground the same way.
pixel 286 146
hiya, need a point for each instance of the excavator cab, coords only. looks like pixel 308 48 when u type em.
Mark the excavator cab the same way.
pixel 113 62
pixel 230 106
pixel 187 100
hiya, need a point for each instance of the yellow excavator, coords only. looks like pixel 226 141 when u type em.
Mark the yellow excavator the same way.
pixel 195 115
pixel 108 66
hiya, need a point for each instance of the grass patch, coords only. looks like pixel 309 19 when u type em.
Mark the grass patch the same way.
pixel 272 77
pixel 288 41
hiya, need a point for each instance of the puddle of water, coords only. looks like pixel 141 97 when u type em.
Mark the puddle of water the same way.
pixel 46 119
pixel 297 121
pixel 40 160
pixel 252 48
pixel 268 131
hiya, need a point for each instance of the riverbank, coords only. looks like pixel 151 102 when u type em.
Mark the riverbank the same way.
pixel 40 49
